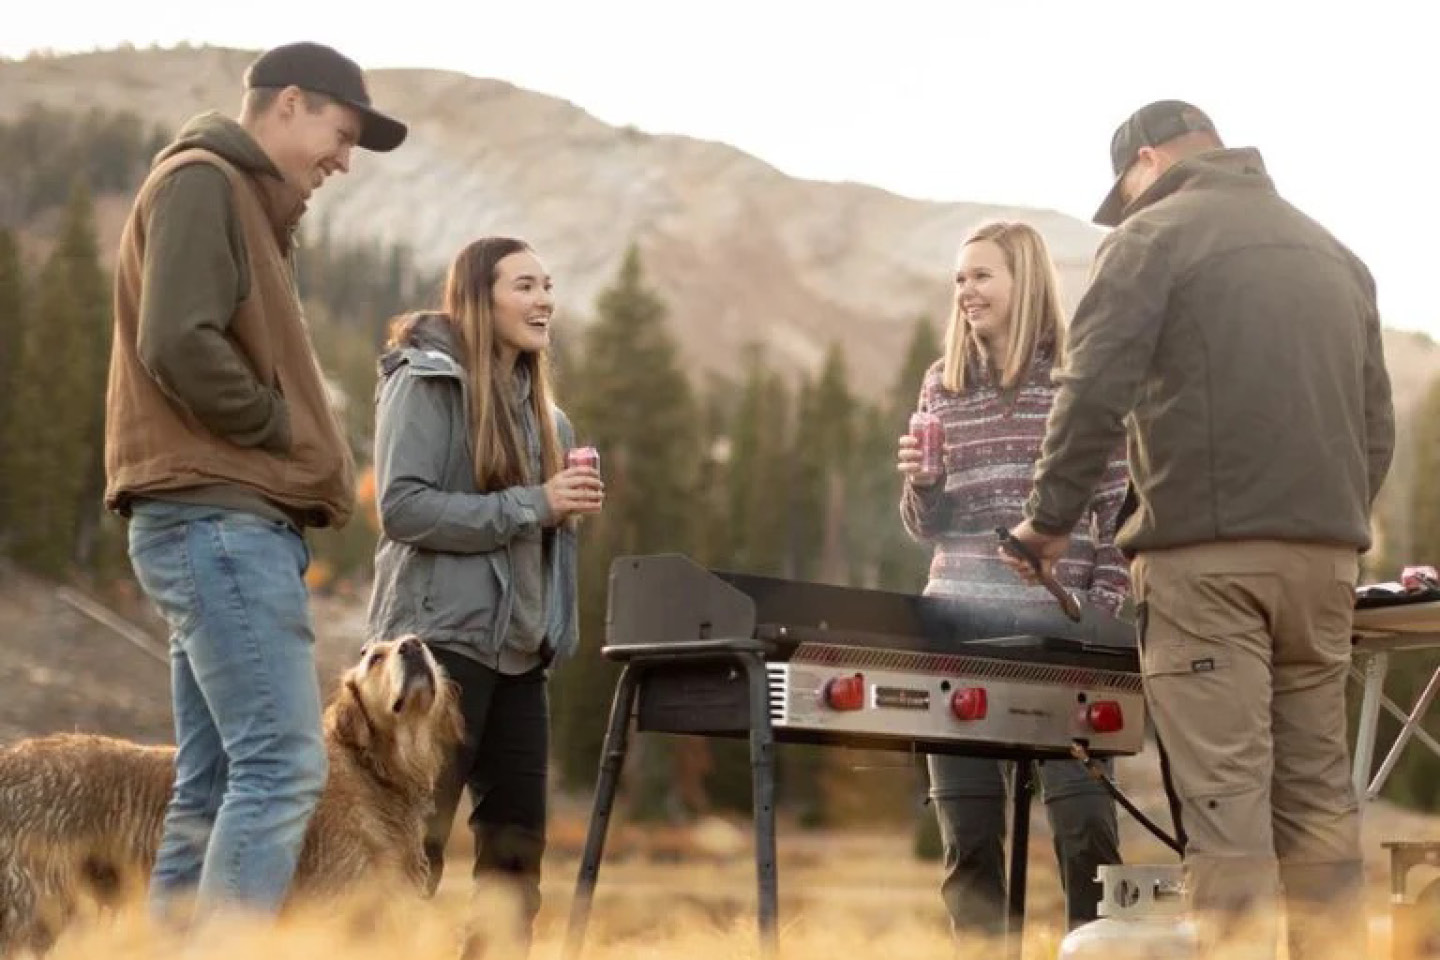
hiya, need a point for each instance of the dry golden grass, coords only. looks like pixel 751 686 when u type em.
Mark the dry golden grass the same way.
pixel 672 893
pixel 848 896
pixel 631 926
pixel 689 894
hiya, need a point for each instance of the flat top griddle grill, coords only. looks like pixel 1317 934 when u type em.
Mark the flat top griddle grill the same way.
pixel 671 599
pixel 677 626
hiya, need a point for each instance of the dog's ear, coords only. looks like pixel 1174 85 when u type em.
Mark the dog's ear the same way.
pixel 450 724
pixel 352 722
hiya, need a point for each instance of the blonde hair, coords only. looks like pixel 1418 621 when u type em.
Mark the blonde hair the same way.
pixel 1036 314
pixel 468 306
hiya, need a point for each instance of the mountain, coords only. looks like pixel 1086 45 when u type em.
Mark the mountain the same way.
pixel 740 251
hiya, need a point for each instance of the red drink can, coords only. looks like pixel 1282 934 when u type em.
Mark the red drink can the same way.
pixel 583 457
pixel 927 429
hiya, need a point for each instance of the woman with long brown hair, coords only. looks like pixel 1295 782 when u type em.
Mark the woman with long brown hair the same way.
pixel 475 555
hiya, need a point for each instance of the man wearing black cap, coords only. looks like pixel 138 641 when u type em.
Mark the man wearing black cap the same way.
pixel 1239 343
pixel 221 447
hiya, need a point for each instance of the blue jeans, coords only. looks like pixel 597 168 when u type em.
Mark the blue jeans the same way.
pixel 251 762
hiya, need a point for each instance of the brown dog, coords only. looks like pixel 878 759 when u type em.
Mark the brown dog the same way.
pixel 81 816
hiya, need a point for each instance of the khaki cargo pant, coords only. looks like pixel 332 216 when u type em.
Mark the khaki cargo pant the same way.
pixel 1245 650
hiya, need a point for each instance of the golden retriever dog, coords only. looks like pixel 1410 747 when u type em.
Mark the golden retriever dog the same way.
pixel 81 815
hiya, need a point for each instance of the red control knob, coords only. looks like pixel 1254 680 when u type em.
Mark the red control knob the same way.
pixel 969 703
pixel 845 693
pixel 1105 716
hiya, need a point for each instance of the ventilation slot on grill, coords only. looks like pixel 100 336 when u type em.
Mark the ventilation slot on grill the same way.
pixel 779 690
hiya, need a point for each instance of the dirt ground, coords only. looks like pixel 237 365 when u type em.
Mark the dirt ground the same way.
pixel 62 670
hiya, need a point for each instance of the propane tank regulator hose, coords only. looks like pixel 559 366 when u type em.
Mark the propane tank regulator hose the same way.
pixel 1097 772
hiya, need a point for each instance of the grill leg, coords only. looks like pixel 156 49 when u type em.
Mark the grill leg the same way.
pixel 612 757
pixel 1019 860
pixel 762 780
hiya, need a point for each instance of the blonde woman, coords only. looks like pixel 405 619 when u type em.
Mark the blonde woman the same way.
pixel 474 555
pixel 992 392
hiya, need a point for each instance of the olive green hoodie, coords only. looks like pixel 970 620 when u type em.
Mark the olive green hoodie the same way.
pixel 215 395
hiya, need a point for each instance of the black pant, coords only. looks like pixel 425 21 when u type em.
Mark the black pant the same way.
pixel 503 761
pixel 970 795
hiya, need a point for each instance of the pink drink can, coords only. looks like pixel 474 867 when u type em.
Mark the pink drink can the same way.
pixel 930 433
pixel 583 457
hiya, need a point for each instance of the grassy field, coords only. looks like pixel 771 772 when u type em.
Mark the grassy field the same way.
pixel 664 892
pixel 676 894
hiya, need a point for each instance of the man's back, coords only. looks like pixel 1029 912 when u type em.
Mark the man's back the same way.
pixel 1260 416
pixel 1238 345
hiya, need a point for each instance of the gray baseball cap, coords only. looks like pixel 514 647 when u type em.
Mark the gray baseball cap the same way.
pixel 1151 125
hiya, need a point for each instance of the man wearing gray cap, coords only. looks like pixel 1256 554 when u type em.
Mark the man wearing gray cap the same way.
pixel 1239 345
pixel 221 447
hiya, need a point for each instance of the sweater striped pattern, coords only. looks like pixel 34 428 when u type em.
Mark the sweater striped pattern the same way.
pixel 992 441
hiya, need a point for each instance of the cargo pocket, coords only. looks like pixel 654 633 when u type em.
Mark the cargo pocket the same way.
pixel 1211 727
pixel 1173 656
pixel 1184 635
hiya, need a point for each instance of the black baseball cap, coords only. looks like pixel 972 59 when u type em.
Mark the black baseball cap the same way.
pixel 320 69
pixel 1151 125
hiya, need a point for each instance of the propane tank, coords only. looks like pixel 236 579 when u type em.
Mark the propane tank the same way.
pixel 1142 917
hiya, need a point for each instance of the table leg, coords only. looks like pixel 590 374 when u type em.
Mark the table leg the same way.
pixel 1376 665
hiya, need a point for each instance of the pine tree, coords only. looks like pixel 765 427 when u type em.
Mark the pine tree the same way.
pixel 899 562
pixel 54 437
pixel 759 475
pixel 12 334
pixel 712 533
pixel 635 404
pixel 874 519
pixel 742 493
pixel 631 400
pixel 1424 506
pixel 923 350
pixel 844 498
pixel 79 253
pixel 348 362
pixel 823 438
pixel 817 548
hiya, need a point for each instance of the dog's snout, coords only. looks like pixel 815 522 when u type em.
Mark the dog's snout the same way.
pixel 413 656
pixel 417 671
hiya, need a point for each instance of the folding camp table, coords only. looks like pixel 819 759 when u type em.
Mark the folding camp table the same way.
pixel 1387 627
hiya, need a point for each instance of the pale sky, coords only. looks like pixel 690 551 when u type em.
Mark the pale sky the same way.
pixel 1009 101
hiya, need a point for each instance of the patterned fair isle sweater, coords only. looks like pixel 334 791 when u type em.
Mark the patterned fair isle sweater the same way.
pixel 992 440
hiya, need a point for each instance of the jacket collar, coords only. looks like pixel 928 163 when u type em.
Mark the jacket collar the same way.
pixel 1235 168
